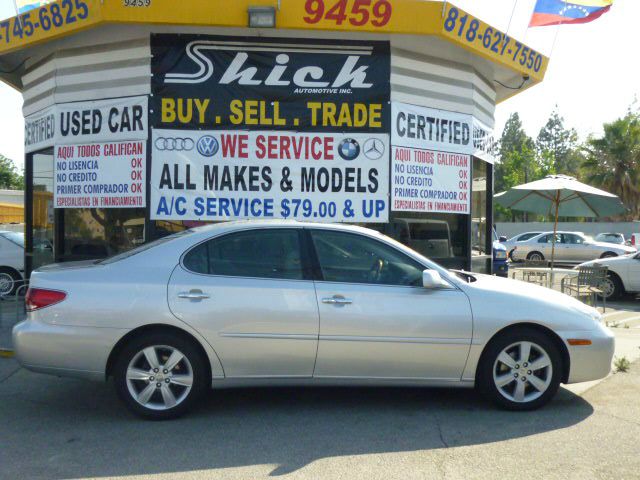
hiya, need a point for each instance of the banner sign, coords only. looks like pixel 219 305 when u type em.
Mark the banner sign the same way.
pixel 269 128
pixel 431 165
pixel 81 122
pixel 232 174
pixel 485 144
pixel 100 175
pixel 205 82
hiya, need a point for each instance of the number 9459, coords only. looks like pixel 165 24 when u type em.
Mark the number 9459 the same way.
pixel 361 12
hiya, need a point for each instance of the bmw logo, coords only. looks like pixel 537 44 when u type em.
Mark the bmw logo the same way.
pixel 349 149
pixel 207 146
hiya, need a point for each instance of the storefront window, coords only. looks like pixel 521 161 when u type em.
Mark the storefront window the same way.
pixel 99 233
pixel 43 218
pixel 481 254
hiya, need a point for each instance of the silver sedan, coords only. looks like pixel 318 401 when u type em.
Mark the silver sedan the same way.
pixel 571 247
pixel 286 303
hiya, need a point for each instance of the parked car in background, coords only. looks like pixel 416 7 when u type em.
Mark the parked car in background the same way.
pixel 11 262
pixel 289 303
pixel 617 238
pixel 513 241
pixel 571 247
pixel 623 275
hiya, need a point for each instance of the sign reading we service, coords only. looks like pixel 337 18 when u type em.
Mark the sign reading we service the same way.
pixel 430 160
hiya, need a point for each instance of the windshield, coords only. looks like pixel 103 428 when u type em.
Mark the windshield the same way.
pixel 15 237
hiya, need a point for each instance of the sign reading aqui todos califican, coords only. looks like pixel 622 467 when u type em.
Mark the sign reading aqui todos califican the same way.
pixel 266 128
pixel 431 162
pixel 99 152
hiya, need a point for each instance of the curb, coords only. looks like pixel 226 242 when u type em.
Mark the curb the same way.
pixel 6 353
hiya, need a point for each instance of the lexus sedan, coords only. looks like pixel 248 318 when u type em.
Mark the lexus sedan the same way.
pixel 571 247
pixel 287 303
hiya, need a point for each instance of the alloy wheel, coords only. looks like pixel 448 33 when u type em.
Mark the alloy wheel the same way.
pixel 159 377
pixel 6 284
pixel 522 372
pixel 608 287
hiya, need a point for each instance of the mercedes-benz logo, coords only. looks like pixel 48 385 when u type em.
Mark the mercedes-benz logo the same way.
pixel 374 149
pixel 207 146
pixel 174 144
pixel 349 149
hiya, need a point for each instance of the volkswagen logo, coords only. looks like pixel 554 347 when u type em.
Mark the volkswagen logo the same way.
pixel 208 146
pixel 373 149
pixel 174 144
pixel 349 149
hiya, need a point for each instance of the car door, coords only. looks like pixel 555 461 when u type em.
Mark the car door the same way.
pixel 249 294
pixel 570 249
pixel 376 319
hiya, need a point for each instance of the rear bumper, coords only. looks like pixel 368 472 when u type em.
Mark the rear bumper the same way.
pixel 590 362
pixel 64 350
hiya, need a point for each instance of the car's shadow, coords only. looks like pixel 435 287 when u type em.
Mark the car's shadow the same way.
pixel 87 432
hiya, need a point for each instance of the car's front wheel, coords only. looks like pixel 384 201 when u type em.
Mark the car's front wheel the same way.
pixel 160 375
pixel 520 370
pixel 611 287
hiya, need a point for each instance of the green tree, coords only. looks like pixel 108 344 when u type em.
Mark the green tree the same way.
pixel 9 176
pixel 613 161
pixel 557 146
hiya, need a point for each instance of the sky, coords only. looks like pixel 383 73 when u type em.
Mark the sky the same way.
pixel 593 76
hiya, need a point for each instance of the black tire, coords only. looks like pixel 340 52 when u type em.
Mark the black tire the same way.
pixel 532 256
pixel 608 255
pixel 488 361
pixel 9 275
pixel 191 352
pixel 616 283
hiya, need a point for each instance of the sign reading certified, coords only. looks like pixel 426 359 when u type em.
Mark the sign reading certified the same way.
pixel 219 175
pixel 100 175
pixel 430 166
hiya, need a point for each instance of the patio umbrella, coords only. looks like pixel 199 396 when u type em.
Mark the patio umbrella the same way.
pixel 562 196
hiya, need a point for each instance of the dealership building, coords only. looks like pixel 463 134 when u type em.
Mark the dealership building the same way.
pixel 146 117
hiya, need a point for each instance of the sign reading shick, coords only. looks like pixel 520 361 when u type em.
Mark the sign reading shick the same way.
pixel 257 128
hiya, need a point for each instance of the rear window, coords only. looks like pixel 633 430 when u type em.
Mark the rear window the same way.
pixel 142 248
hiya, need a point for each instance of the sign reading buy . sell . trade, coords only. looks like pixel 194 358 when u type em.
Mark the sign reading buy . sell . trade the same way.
pixel 269 128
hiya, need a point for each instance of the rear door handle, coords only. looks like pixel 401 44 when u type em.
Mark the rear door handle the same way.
pixel 337 300
pixel 194 295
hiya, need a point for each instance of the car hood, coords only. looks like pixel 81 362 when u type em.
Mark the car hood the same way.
pixel 609 261
pixel 517 301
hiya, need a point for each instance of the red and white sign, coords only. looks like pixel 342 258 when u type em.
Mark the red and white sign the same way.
pixel 430 181
pixel 100 175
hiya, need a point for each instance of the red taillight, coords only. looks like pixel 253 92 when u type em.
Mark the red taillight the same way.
pixel 38 298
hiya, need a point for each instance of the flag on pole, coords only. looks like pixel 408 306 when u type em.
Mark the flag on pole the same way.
pixel 23 6
pixel 558 12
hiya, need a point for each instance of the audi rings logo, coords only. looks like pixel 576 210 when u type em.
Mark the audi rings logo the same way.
pixel 208 146
pixel 174 144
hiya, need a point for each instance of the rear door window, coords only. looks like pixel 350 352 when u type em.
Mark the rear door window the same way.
pixel 268 253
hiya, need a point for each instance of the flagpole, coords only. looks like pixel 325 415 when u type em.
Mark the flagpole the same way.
pixel 15 5
pixel 555 37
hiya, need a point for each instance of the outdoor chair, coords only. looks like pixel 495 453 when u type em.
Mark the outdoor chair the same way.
pixel 588 284
pixel 539 278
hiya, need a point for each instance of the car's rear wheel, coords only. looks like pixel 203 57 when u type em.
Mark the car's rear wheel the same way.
pixel 535 257
pixel 612 287
pixel 160 376
pixel 520 370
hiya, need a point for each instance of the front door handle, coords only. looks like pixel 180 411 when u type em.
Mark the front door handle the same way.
pixel 194 295
pixel 337 300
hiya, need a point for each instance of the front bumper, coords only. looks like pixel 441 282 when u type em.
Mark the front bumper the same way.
pixel 590 362
pixel 501 269
pixel 66 351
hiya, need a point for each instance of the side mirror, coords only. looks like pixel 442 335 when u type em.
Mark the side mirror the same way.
pixel 432 279
pixel 502 239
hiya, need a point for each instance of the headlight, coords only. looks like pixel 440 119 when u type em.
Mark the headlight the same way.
pixel 501 255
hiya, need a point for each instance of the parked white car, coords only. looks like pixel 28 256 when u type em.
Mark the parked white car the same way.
pixel 11 262
pixel 623 277
pixel 288 303
pixel 570 247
